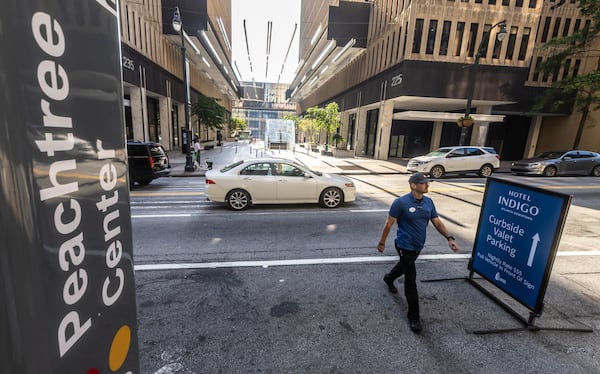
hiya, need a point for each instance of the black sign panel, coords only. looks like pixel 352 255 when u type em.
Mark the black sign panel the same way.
pixel 66 266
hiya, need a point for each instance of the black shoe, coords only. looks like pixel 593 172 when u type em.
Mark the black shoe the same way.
pixel 415 325
pixel 390 284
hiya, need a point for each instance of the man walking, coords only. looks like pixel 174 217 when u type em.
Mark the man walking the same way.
pixel 412 212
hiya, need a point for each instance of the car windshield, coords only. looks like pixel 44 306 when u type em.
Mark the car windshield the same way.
pixel 550 154
pixel 438 152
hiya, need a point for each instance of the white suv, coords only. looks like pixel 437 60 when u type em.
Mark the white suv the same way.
pixel 461 159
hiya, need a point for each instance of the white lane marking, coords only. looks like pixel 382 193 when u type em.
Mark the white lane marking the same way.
pixel 161 215
pixel 256 213
pixel 578 253
pixel 320 261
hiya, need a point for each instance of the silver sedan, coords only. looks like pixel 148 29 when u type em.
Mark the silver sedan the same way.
pixel 276 181
pixel 553 163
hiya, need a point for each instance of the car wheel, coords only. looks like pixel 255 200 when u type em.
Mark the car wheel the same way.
pixel 550 171
pixel 331 197
pixel 143 182
pixel 437 171
pixel 238 200
pixel 596 171
pixel 486 170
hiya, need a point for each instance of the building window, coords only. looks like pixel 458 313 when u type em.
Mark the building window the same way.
pixel 505 2
pixel 497 47
pixel 519 3
pixel 556 27
pixel 545 76
pixel 512 40
pixel 546 29
pixel 416 48
pixel 458 39
pixel 398 46
pixel 478 1
pixel 588 23
pixel 472 39
pixel 566 68
pixel 576 68
pixel 536 74
pixel 532 3
pixel 567 26
pixel 577 25
pixel 524 43
pixel 445 38
pixel 484 46
pixel 492 2
pixel 431 36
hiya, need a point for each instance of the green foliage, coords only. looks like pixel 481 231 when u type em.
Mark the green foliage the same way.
pixel 238 124
pixel 292 117
pixel 210 113
pixel 326 118
pixel 580 90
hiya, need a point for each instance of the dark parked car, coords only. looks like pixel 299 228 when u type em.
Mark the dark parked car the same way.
pixel 553 163
pixel 146 161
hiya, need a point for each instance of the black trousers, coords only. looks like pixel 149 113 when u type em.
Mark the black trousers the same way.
pixel 406 267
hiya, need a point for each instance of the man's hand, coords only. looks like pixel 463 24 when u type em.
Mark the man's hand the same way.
pixel 453 245
pixel 381 247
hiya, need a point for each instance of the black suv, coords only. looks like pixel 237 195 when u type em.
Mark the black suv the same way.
pixel 147 161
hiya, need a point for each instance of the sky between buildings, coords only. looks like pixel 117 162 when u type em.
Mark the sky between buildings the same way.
pixel 283 14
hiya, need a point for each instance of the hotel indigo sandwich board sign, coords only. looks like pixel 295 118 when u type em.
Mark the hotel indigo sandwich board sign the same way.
pixel 517 239
pixel 67 294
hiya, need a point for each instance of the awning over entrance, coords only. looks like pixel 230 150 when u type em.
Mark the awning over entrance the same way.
pixel 416 115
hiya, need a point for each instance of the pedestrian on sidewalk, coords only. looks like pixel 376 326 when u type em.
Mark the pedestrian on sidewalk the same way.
pixel 412 213
pixel 197 152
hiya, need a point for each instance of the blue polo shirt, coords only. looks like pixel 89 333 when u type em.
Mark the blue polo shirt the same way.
pixel 412 217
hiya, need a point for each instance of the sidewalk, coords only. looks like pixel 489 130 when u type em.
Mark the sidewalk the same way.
pixel 234 151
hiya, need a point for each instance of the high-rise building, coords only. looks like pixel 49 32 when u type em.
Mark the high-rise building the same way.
pixel 153 67
pixel 260 101
pixel 401 72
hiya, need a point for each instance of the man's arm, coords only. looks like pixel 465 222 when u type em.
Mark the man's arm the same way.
pixel 386 230
pixel 441 228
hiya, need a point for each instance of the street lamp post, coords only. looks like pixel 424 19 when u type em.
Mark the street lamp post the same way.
pixel 178 27
pixel 473 71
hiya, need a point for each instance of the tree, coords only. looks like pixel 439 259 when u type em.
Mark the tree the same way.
pixel 238 124
pixel 309 128
pixel 583 90
pixel 210 113
pixel 325 118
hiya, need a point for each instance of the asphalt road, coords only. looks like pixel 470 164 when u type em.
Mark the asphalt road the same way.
pixel 269 290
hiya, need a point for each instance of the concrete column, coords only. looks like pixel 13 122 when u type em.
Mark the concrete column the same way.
pixel 361 125
pixel 480 129
pixel 345 122
pixel 532 137
pixel 436 135
pixel 139 110
pixel 181 118
pixel 386 112
pixel 164 107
